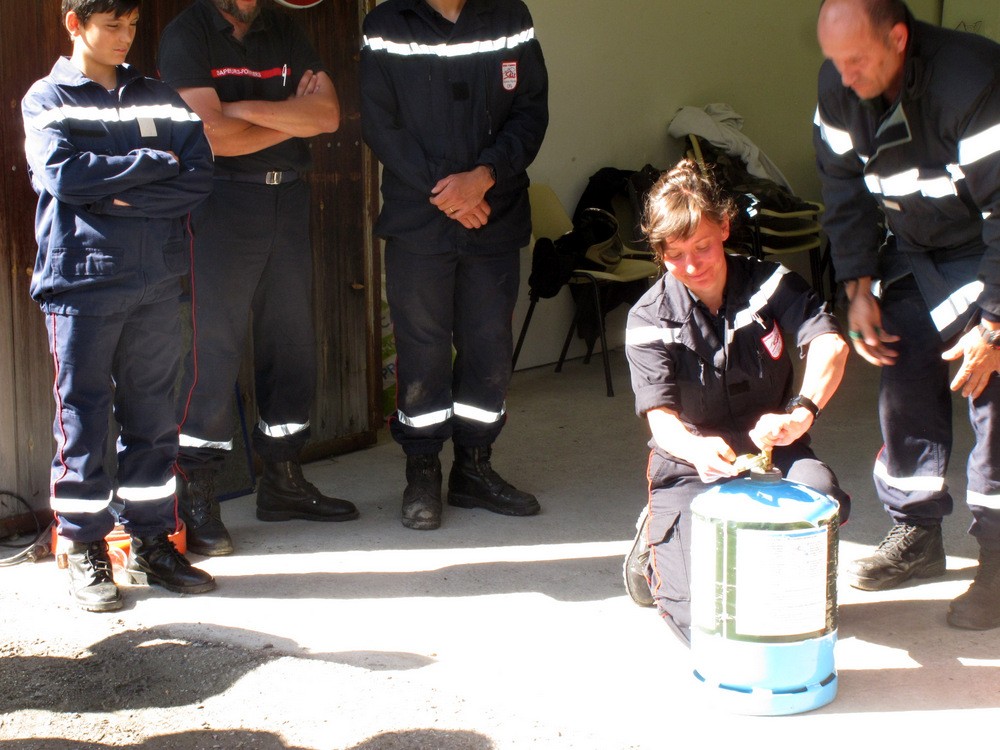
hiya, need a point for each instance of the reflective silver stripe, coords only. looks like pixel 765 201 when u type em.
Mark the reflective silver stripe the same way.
pixel 108 114
pixel 425 420
pixel 79 505
pixel 873 185
pixel 141 494
pixel 978 146
pixel 281 430
pixel 648 334
pixel 189 441
pixel 406 49
pixel 956 305
pixel 909 182
pixel 838 140
pixel 479 415
pixel 908 484
pixel 757 302
pixel 983 501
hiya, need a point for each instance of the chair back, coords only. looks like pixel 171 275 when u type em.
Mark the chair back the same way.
pixel 548 217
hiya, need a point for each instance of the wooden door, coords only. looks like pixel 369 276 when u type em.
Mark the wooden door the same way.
pixel 347 412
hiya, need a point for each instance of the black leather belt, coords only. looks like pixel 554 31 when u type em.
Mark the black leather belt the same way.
pixel 261 178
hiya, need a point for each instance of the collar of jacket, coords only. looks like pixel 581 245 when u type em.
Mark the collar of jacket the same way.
pixel 65 73
pixel 696 331
pixel 915 79
pixel 678 304
pixel 424 9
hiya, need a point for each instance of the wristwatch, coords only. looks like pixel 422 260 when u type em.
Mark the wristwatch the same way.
pixel 991 337
pixel 797 401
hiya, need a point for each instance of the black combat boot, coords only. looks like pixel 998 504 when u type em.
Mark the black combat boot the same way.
pixel 474 484
pixel 199 509
pixel 979 607
pixel 637 562
pixel 422 496
pixel 906 552
pixel 155 561
pixel 91 581
pixel 285 494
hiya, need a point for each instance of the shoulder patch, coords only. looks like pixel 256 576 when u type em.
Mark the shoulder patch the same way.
pixel 773 342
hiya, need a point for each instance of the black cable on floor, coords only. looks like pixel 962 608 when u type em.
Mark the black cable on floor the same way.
pixel 34 550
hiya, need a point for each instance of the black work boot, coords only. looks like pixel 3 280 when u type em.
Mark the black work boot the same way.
pixel 199 509
pixel 155 561
pixel 636 563
pixel 979 607
pixel 474 484
pixel 422 496
pixel 285 494
pixel 906 552
pixel 91 581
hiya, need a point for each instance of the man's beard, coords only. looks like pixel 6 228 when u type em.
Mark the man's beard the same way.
pixel 243 16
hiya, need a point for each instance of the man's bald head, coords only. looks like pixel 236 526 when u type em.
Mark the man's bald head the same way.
pixel 866 42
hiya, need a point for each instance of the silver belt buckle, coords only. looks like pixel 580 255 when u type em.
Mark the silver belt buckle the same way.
pixel 272 178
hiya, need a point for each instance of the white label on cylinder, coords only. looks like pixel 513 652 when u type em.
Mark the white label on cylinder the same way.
pixel 781 582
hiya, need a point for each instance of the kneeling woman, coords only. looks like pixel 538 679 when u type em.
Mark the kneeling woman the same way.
pixel 712 375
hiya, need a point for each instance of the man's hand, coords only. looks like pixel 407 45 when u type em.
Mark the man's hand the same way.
pixel 980 361
pixel 462 197
pixel 864 320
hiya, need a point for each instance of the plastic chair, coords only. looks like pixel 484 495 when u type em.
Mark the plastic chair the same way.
pixel 550 219
pixel 781 232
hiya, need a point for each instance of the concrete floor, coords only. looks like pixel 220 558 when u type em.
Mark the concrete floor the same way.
pixel 497 632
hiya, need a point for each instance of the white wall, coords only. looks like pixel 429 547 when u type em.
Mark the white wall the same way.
pixel 620 69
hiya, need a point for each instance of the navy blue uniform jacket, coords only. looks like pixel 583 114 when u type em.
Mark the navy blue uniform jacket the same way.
pixel 435 103
pixel 87 146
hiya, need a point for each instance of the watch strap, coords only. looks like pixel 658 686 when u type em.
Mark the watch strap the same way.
pixel 807 403
pixel 990 336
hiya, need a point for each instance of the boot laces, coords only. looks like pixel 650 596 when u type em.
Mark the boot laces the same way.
pixel 162 546
pixel 898 537
pixel 489 474
pixel 201 492
pixel 423 467
pixel 97 559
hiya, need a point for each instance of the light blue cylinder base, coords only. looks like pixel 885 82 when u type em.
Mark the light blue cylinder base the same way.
pixel 765 679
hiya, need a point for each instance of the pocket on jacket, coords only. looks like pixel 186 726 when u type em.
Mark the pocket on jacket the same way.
pixel 87 262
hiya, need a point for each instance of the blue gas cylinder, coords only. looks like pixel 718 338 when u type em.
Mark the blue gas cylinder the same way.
pixel 764 595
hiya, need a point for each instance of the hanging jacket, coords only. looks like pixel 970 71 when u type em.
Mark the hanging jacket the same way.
pixel 86 147
pixel 930 163
pixel 437 101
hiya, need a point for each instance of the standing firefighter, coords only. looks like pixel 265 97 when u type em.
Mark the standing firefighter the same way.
pixel 907 133
pixel 454 105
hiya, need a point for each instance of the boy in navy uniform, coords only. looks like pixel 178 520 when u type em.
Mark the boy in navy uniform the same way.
pixel 117 161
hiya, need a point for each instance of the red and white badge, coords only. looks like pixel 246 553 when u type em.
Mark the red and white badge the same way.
pixel 298 4
pixel 773 342
pixel 508 71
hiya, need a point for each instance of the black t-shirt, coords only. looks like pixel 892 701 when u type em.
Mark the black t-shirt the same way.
pixel 197 50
